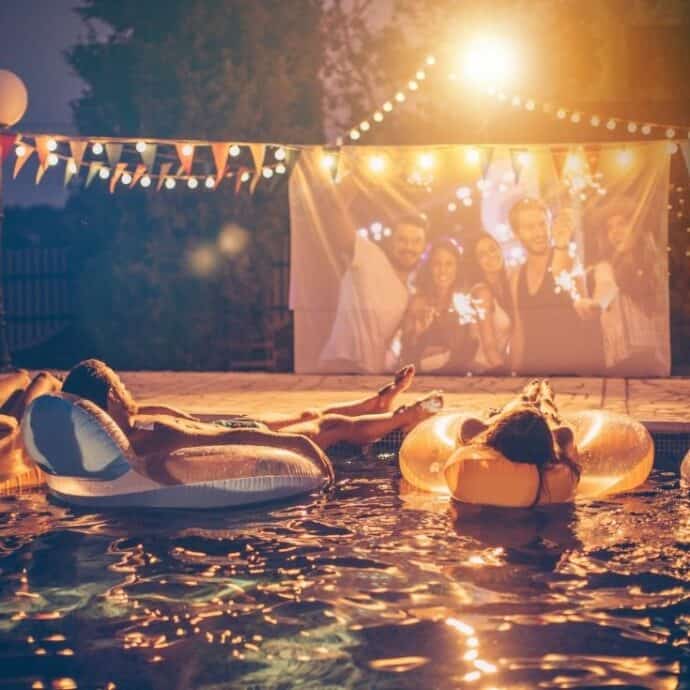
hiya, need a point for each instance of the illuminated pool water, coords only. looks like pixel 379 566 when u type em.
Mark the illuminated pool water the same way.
pixel 372 586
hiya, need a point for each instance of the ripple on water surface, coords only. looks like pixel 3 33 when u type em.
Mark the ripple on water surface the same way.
pixel 374 585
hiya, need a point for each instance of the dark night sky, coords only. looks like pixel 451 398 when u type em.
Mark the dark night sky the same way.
pixel 34 35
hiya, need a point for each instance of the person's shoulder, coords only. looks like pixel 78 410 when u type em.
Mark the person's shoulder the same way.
pixel 368 254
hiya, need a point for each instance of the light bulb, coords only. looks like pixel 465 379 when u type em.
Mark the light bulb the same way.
pixel 140 146
pixel 412 85
pixel 388 106
pixel 97 148
pixel 632 127
pixel 670 133
pixel 281 169
pixel 53 159
pixel 595 121
pixel 20 151
pixel 267 172
pixel 126 178
pixel 145 181
pixel 354 134
pixel 192 183
pixel 280 154
pixel 210 183
pixel 364 126
pixel 52 144
pixel 104 173
pixel 187 150
pixel 245 177
pixel 378 116
pixel 611 124
pixel 646 129
pixel 170 183
pixel 234 150
pixel 400 97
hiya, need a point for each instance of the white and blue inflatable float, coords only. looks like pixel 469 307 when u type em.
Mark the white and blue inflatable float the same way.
pixel 88 461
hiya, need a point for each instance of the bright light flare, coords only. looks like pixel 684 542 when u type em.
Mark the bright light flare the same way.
pixel 472 156
pixel 377 164
pixel 426 161
pixel 489 60
pixel 328 161
pixel 624 158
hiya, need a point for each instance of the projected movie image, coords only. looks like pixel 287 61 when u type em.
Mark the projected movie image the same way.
pixel 481 260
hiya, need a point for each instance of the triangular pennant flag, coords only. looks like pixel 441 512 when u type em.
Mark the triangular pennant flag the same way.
pixel 77 148
pixel 6 142
pixel 517 161
pixel 117 173
pixel 70 170
pixel 113 153
pixel 148 155
pixel 41 171
pixel 255 180
pixel 593 154
pixel 220 158
pixel 185 152
pixel 162 174
pixel 42 150
pixel 486 153
pixel 94 167
pixel 685 148
pixel 258 154
pixel 559 156
pixel 19 163
pixel 138 174
pixel 239 180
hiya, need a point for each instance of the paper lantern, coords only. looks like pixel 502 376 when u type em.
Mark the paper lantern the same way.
pixel 13 98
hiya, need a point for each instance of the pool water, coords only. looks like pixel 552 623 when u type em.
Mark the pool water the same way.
pixel 371 586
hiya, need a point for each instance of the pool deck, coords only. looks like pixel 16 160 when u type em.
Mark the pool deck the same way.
pixel 663 405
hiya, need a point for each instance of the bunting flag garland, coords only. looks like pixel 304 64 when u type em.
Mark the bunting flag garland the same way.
pixel 685 148
pixel 148 154
pixel 255 180
pixel 42 150
pixel 23 153
pixel 593 156
pixel 258 155
pixel 41 171
pixel 6 143
pixel 559 155
pixel 113 152
pixel 77 148
pixel 117 173
pixel 70 170
pixel 139 172
pixel 220 152
pixel 94 167
pixel 185 152
pixel 239 179
pixel 162 174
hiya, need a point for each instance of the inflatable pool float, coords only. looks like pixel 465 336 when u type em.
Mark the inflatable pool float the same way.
pixel 88 461
pixel 616 454
pixel 685 468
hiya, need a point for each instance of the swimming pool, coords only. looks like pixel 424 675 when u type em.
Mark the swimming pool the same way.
pixel 370 586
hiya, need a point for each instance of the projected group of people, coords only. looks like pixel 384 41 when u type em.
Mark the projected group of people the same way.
pixel 452 304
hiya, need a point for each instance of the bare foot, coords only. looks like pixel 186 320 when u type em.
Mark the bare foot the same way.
pixel 422 409
pixel 385 398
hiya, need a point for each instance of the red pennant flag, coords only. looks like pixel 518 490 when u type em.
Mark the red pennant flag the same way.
pixel 220 158
pixel 6 143
pixel 19 163
pixel 117 173
pixel 138 174
pixel 162 174
pixel 78 148
pixel 185 152
pixel 42 150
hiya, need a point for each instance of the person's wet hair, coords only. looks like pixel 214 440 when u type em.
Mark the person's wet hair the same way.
pixel 94 380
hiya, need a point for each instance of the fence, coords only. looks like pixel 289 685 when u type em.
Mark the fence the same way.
pixel 39 288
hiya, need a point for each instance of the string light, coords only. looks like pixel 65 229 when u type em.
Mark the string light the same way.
pixel 104 173
pixel 267 172
pixel 170 183
pixel 364 126
pixel 145 181
pixel 377 164
pixel 646 129
pixel 400 97
pixel 420 75
pixel 529 104
pixel 279 154
pixel 140 146
pixel 97 148
pixel 472 155
pixel 209 183
pixel 52 159
pixel 20 151
pixel 187 150
pixel 430 60
pixel 426 161
pixel 412 85
pixel 611 124
pixel 670 133
pixel 378 116
pixel 244 177
pixel 387 106
pixel 126 178
pixel 328 161
pixel 52 144
pixel 192 183
pixel 354 134
pixel 575 118
pixel 234 150
pixel 632 127
pixel 595 121
pixel 281 169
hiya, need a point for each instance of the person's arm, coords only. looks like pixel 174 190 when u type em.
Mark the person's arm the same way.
pixel 165 410
pixel 487 329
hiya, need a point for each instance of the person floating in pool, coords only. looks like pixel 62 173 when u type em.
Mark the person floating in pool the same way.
pixel 17 390
pixel 163 429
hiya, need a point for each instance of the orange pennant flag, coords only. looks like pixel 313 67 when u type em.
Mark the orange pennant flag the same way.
pixel 40 171
pixel 138 174
pixel 255 180
pixel 94 167
pixel 19 163
pixel 185 152
pixel 77 148
pixel 42 150
pixel 220 157
pixel 117 174
pixel 238 179
pixel 162 174
pixel 258 154
pixel 70 170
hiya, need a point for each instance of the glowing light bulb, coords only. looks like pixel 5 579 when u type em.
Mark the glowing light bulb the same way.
pixel 328 161
pixel 378 116
pixel 430 60
pixel 52 144
pixel 560 114
pixel 388 106
pixel 467 201
pixel 529 105
pixel 126 178
pixel 595 121
pixel 412 85
pixel 624 158
pixel 267 172
pixel 97 148
pixel 632 127
pixel 575 118
pixel 611 124
pixel 420 75
pixel 140 146
pixel 400 97
pixel 53 159
pixel 279 154
pixel 516 101
pixel 646 129
pixel 472 155
pixel 104 173
pixel 672 147
pixel 426 161
pixel 489 60
pixel 377 164
pixel 524 158
pixel 670 133
pixel 145 181
pixel 364 126
pixel 187 150
pixel 192 183
pixel 20 151
pixel 209 183
pixel 281 169
pixel 170 183
pixel 234 150
pixel 244 177
pixel 72 167
pixel 354 134
pixel 452 207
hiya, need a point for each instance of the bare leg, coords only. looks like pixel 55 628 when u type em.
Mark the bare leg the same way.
pixel 334 428
pixel 382 401
pixel 42 384
pixel 11 386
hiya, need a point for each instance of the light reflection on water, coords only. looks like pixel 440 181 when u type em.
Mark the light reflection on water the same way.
pixel 375 585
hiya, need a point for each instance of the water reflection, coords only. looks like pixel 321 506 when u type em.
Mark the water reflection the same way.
pixel 375 585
